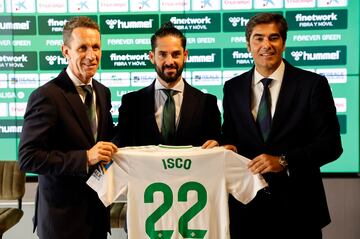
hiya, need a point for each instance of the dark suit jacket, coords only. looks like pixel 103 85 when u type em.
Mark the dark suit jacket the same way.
pixel 304 128
pixel 200 118
pixel 56 134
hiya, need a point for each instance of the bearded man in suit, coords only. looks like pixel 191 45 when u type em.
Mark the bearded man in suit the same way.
pixel 196 119
pixel 63 137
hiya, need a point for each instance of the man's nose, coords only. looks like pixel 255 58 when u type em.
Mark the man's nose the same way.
pixel 169 60
pixel 90 53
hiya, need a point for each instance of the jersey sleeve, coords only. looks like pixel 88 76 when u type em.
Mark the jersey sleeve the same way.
pixel 240 182
pixel 110 180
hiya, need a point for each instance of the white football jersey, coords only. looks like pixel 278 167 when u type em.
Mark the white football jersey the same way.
pixel 176 192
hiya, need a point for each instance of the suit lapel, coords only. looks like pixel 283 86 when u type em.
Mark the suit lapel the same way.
pixel 147 107
pixel 189 105
pixel 74 102
pixel 101 106
pixel 285 99
pixel 243 100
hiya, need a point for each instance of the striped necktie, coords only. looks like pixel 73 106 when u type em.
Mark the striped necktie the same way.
pixel 90 108
pixel 263 119
pixel 168 120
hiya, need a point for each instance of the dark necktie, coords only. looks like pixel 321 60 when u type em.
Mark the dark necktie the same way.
pixel 90 108
pixel 264 112
pixel 168 120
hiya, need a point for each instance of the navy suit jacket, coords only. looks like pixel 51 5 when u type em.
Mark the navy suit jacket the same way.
pixel 56 134
pixel 305 128
pixel 200 118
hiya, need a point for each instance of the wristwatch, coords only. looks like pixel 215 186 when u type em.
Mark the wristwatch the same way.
pixel 282 161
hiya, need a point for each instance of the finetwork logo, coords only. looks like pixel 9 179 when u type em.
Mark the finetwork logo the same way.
pixel 11 61
pixel 191 20
pixel 308 20
pixel 242 58
pixel 316 20
pixel 129 59
pixel 56 25
pixel 120 24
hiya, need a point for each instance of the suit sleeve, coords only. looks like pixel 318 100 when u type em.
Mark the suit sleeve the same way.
pixel 123 129
pixel 324 142
pixel 228 127
pixel 38 152
pixel 212 119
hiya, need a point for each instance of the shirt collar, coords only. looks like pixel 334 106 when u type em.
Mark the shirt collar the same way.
pixel 277 75
pixel 179 87
pixel 76 80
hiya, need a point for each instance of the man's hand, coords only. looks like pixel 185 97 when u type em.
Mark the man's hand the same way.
pixel 210 144
pixel 102 151
pixel 265 163
pixel 230 147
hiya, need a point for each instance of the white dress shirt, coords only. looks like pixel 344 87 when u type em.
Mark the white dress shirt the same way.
pixel 160 98
pixel 274 87
pixel 80 90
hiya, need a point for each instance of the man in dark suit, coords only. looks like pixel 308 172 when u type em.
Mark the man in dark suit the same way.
pixel 289 135
pixel 197 118
pixel 62 144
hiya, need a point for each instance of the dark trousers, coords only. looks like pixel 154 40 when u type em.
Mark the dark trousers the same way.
pixel 266 217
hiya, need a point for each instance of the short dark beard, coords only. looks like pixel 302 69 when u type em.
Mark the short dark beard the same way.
pixel 169 79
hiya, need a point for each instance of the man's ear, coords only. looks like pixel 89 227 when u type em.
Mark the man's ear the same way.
pixel 186 54
pixel 152 56
pixel 248 46
pixel 65 51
